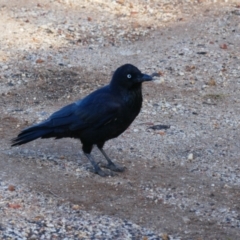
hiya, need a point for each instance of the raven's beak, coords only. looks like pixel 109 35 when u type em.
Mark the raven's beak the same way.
pixel 145 77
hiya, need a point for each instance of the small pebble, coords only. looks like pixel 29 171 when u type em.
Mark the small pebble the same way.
pixel 190 156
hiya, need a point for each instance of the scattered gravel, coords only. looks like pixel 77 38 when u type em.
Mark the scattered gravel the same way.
pixel 43 217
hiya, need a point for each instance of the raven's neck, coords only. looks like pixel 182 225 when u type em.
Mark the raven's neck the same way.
pixel 133 97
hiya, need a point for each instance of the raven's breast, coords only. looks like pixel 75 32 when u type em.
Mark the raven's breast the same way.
pixel 130 108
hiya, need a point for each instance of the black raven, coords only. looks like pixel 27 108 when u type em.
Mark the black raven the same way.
pixel 100 116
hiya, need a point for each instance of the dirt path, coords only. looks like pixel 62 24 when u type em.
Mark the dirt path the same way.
pixel 183 181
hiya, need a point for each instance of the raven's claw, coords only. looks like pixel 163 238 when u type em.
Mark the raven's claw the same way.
pixel 114 167
pixel 100 172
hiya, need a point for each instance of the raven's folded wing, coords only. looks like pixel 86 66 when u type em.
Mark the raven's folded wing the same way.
pixel 97 109
pixel 94 111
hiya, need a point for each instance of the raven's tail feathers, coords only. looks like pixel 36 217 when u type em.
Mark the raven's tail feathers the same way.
pixel 30 134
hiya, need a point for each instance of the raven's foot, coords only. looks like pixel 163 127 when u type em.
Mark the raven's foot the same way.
pixel 114 167
pixel 95 167
pixel 100 172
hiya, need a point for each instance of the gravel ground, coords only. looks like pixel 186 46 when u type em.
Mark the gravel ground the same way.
pixel 27 215
pixel 181 182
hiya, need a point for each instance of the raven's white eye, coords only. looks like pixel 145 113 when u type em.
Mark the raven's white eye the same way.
pixel 129 76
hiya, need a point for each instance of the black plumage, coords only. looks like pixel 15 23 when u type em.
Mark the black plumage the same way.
pixel 100 116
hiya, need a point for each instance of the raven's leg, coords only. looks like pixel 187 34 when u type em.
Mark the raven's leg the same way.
pixel 112 166
pixel 96 169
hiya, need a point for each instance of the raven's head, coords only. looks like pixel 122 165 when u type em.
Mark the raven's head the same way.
pixel 128 76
